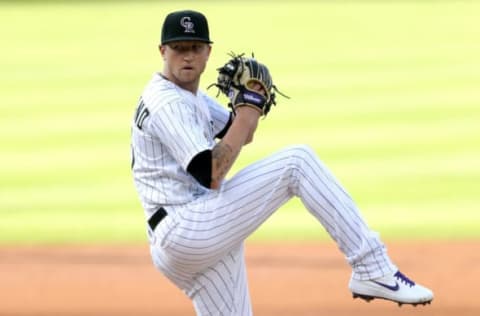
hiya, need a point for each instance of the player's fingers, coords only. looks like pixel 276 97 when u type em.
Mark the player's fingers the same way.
pixel 256 86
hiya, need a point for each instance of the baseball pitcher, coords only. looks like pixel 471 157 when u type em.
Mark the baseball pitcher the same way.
pixel 183 145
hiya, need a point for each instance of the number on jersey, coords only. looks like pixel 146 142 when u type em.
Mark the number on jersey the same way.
pixel 141 114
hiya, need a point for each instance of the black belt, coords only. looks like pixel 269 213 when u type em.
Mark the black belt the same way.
pixel 157 218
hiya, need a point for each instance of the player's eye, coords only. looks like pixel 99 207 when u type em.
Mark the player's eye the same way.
pixel 180 48
pixel 195 48
pixel 198 48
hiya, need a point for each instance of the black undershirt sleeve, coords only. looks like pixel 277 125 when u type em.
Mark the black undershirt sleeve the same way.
pixel 200 167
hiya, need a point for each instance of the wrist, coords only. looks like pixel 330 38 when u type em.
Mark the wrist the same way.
pixel 248 112
pixel 247 118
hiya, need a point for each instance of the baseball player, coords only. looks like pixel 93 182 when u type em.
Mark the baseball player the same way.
pixel 183 145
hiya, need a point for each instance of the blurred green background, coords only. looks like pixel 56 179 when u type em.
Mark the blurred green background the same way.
pixel 387 93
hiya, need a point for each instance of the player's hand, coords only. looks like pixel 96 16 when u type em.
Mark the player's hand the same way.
pixel 250 112
pixel 257 87
pixel 246 82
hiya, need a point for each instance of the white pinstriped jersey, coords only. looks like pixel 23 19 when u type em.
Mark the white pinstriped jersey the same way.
pixel 199 244
pixel 170 126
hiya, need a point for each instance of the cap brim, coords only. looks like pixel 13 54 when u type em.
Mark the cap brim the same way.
pixel 186 38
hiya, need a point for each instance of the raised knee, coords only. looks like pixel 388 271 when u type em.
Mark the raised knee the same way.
pixel 303 150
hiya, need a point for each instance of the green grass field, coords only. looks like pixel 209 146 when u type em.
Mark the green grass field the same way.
pixel 388 94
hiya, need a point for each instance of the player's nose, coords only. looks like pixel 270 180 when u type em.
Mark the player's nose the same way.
pixel 188 55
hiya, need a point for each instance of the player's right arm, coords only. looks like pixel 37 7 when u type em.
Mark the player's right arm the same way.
pixel 226 151
pixel 210 167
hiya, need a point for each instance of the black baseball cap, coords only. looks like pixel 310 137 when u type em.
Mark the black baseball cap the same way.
pixel 186 25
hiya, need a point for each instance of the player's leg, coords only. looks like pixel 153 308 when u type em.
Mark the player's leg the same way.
pixel 218 289
pixel 224 218
pixel 222 289
pixel 221 220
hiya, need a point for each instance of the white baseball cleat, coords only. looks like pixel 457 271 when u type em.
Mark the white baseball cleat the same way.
pixel 395 287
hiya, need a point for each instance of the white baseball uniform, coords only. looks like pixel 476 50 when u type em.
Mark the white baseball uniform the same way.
pixel 199 244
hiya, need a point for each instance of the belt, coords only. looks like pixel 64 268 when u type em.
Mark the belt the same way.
pixel 156 218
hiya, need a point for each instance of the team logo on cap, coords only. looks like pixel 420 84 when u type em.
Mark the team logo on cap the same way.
pixel 186 23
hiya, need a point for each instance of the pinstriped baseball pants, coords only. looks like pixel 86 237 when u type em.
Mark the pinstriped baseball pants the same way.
pixel 199 246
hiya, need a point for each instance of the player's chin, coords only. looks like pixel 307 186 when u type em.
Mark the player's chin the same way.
pixel 189 74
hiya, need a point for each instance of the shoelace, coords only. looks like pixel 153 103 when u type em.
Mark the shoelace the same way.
pixel 402 278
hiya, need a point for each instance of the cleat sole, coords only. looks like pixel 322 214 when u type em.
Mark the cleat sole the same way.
pixel 369 298
pixel 366 298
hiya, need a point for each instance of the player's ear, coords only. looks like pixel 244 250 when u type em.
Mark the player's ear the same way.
pixel 162 48
pixel 209 47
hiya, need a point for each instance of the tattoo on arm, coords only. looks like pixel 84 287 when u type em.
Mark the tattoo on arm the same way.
pixel 223 157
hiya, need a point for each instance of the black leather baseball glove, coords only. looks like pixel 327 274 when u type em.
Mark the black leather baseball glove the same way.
pixel 237 78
